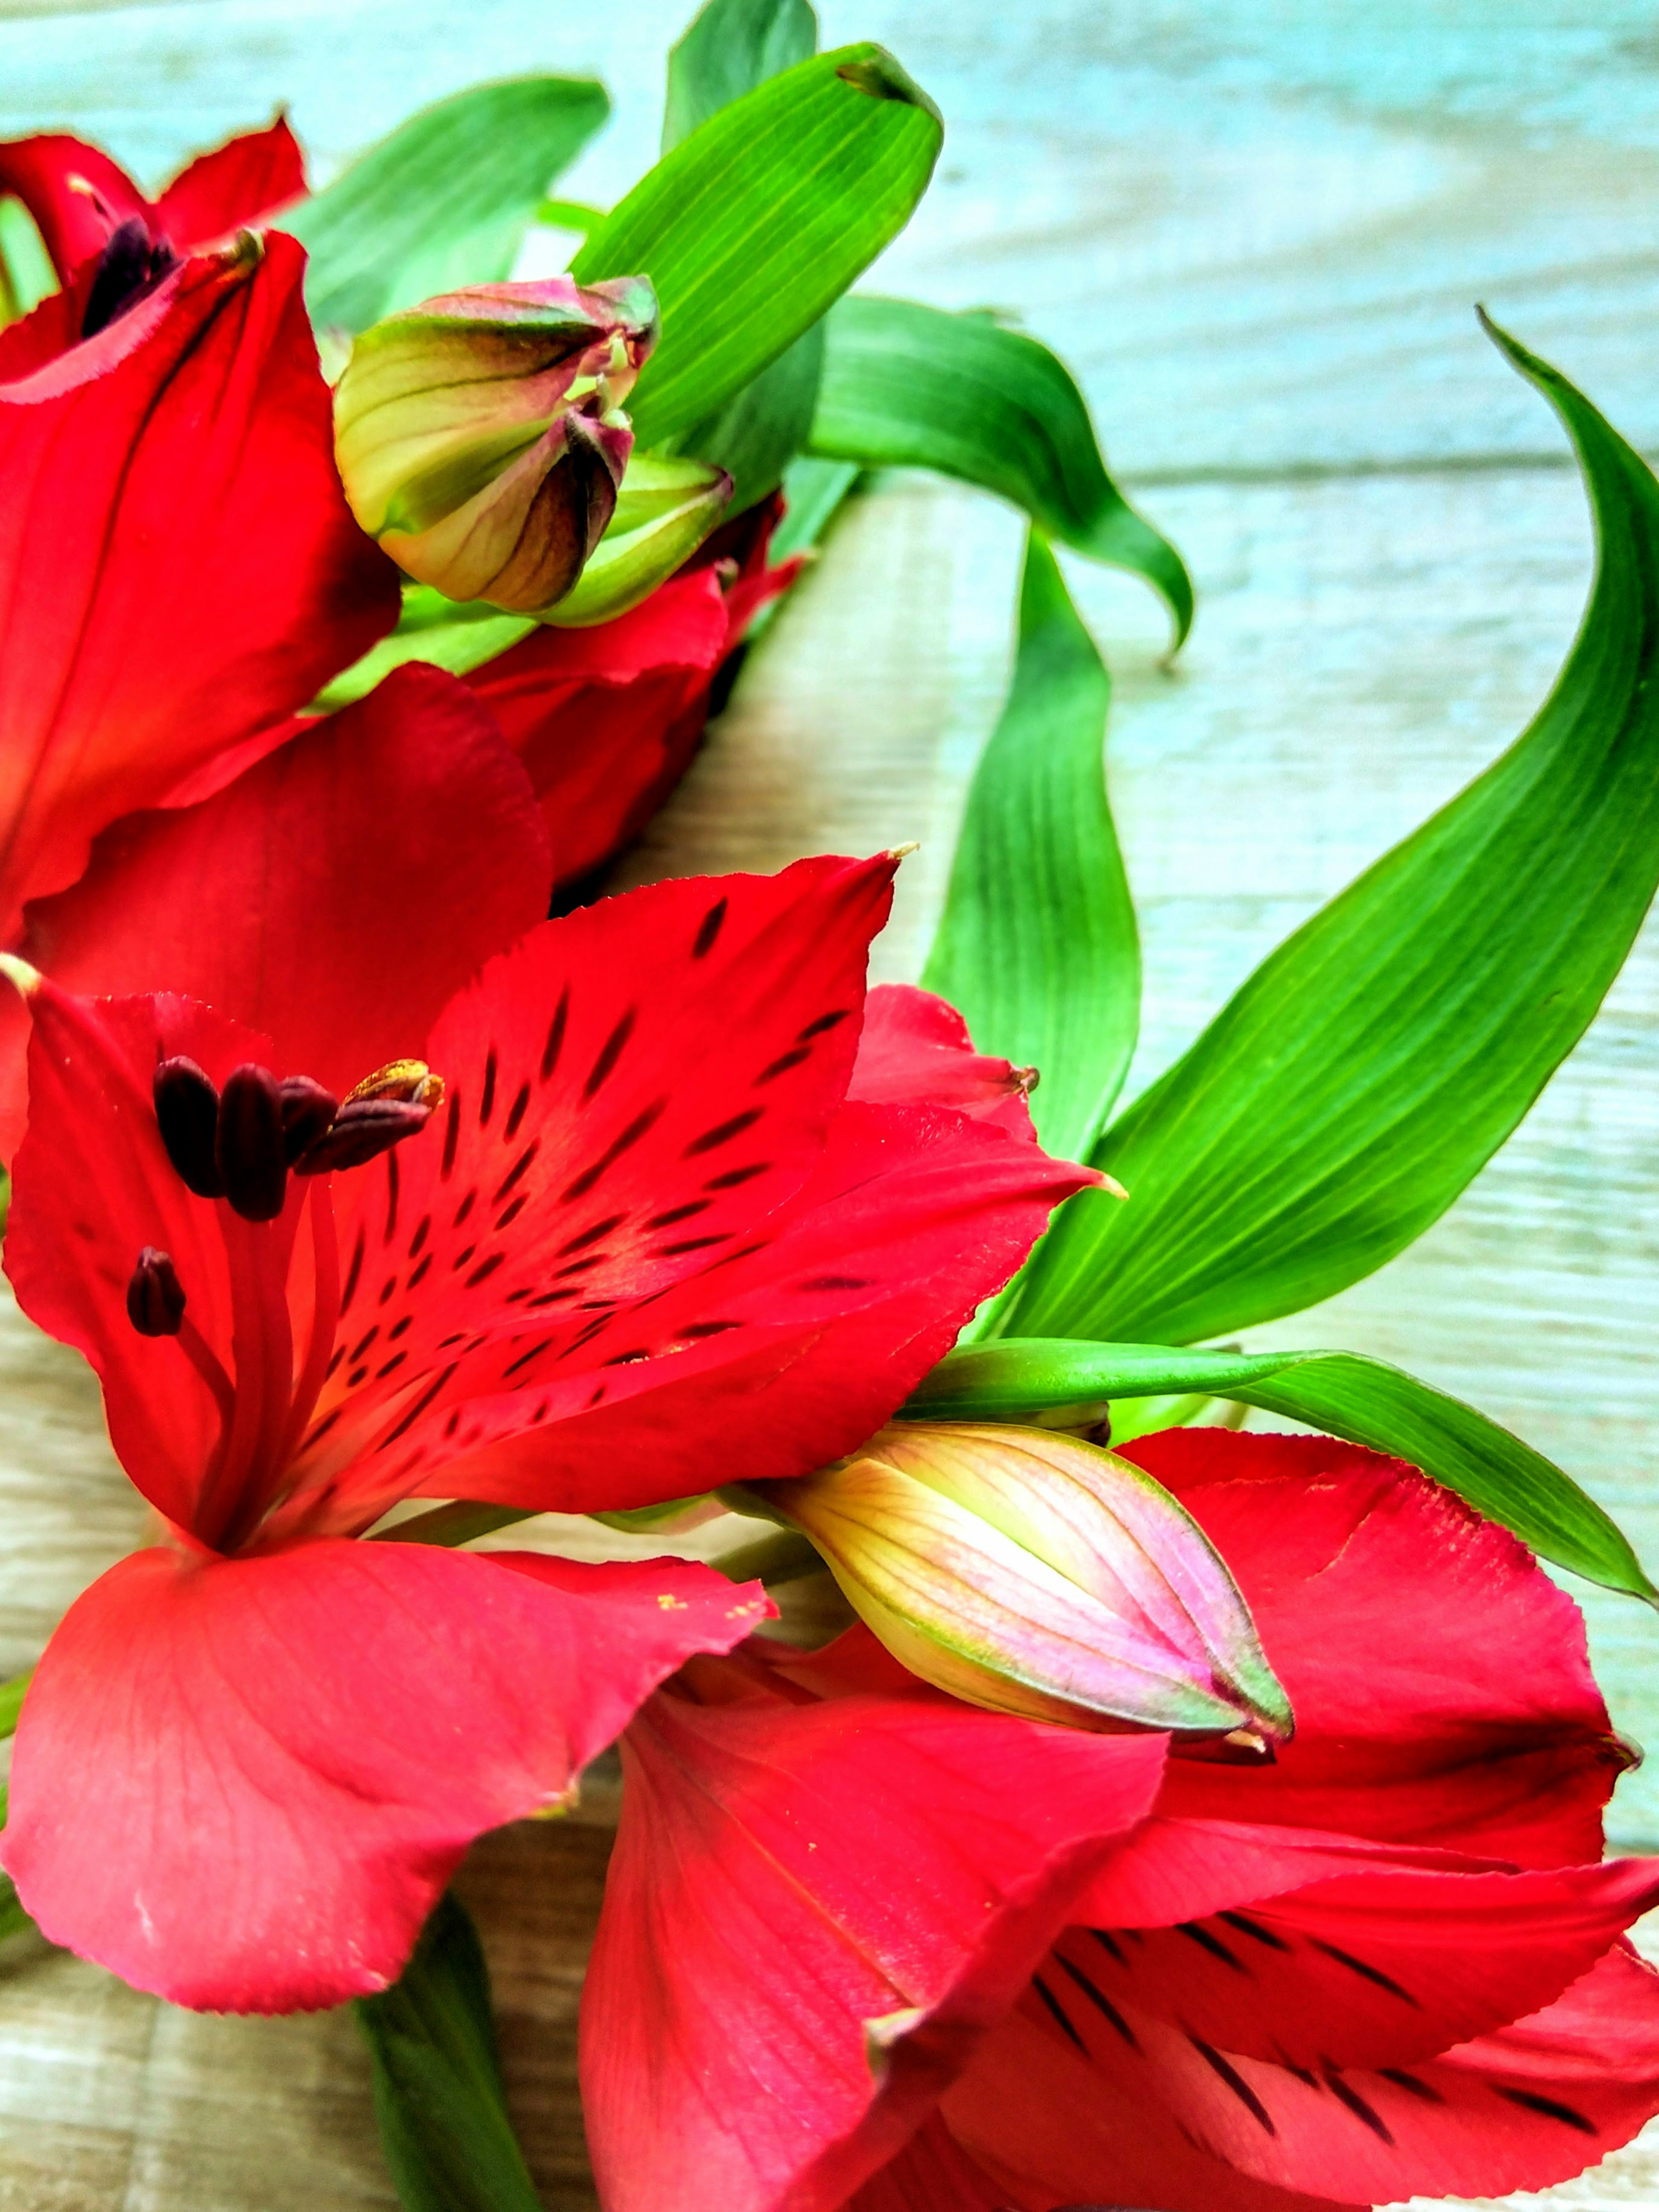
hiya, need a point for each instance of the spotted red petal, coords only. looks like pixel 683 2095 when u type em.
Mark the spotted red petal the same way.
pixel 772 1357
pixel 1125 2112
pixel 243 1784
pixel 177 563
pixel 1468 1719
pixel 894 1861
pixel 334 896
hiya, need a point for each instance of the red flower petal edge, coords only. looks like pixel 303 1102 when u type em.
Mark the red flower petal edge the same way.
pixel 243 1784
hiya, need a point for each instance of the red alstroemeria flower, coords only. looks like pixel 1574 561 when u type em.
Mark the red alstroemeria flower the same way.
pixel 178 567
pixel 79 199
pixel 607 719
pixel 1006 1966
pixel 178 570
pixel 651 1237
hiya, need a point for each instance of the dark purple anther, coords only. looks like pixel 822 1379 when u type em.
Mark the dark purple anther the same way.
pixel 130 266
pixel 308 1111
pixel 253 1154
pixel 187 1114
pixel 156 1298
pixel 364 1128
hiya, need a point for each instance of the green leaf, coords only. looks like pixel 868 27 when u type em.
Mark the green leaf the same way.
pixel 1373 1063
pixel 813 492
pixel 730 48
pixel 449 2144
pixel 12 1918
pixel 760 430
pixel 758 221
pixel 11 1702
pixel 1339 1392
pixel 909 386
pixel 455 635
pixel 445 201
pixel 733 46
pixel 1037 947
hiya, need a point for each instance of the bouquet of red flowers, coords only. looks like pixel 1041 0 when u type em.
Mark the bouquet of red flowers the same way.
pixel 1137 1811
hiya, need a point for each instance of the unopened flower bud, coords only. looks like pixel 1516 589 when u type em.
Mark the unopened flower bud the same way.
pixel 1026 1572
pixel 665 509
pixel 481 437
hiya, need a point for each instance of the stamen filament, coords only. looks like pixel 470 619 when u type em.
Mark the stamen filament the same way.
pixel 324 1314
pixel 208 1364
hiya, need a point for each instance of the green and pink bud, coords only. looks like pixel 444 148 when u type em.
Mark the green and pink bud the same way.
pixel 481 436
pixel 1031 1573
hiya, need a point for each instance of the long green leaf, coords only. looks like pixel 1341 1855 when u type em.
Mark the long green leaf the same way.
pixel 758 221
pixel 445 201
pixel 729 49
pixel 909 386
pixel 1339 1392
pixel 1374 1062
pixel 449 2144
pixel 1037 946
pixel 733 46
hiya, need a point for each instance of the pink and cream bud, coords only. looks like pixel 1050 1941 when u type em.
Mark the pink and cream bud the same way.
pixel 1028 1572
pixel 481 436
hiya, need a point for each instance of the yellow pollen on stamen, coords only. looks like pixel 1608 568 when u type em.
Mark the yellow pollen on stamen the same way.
pixel 410 1080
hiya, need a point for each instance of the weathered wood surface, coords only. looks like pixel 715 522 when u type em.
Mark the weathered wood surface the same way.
pixel 1257 233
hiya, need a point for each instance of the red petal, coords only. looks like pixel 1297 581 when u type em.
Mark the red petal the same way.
pixel 1531 2105
pixel 1466 1717
pixel 931 2174
pixel 786 1879
pixel 243 1784
pixel 178 567
pixel 93 1186
pixel 51 173
pixel 237 186
pixel 605 720
pixel 916 1047
pixel 764 1364
pixel 334 898
pixel 629 1092
pixel 1377 1968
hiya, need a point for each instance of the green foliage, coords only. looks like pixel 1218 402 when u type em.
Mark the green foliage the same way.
pixel 906 386
pixel 1338 1392
pixel 445 201
pixel 1375 1061
pixel 733 46
pixel 754 224
pixel 449 2144
pixel 1037 947
pixel 729 49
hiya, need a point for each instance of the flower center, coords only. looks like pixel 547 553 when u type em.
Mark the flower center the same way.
pixel 239 1143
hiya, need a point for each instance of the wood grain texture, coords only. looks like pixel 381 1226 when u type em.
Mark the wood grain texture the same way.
pixel 1256 232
